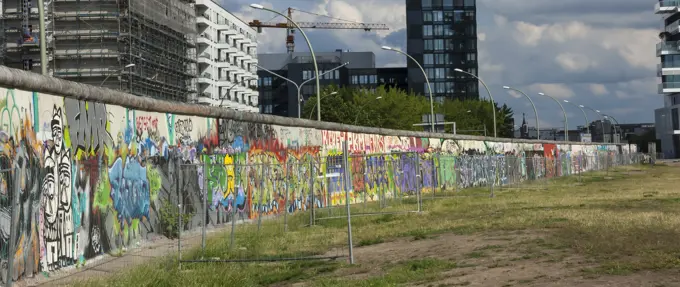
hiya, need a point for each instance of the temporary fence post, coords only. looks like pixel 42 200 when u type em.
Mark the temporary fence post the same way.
pixel 233 209
pixel 259 205
pixel 286 181
pixel 347 207
pixel 494 161
pixel 311 192
pixel 434 176
pixel 14 226
pixel 419 195
pixel 205 204
pixel 179 235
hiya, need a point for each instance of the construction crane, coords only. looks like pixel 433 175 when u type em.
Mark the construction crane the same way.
pixel 290 38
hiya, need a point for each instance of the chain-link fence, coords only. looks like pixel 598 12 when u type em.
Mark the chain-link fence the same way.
pixel 266 211
pixel 378 184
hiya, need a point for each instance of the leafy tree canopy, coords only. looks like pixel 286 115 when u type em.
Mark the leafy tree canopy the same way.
pixel 397 109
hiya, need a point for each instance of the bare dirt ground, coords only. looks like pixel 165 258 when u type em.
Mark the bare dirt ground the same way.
pixel 518 258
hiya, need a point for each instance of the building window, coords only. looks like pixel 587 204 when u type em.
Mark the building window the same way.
pixel 267 82
pixel 337 74
pixel 427 16
pixel 429 45
pixel 427 30
pixel 355 80
pixel 267 109
pixel 428 59
pixel 437 16
pixel 471 56
pixel 363 79
pixel 438 30
pixel 306 75
pixel 469 3
pixel 448 3
pixel 439 45
pixel 441 59
pixel 427 4
pixel 373 79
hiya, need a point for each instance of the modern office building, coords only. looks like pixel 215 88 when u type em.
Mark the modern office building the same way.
pixel 144 47
pixel 279 96
pixel 666 118
pixel 227 59
pixel 442 36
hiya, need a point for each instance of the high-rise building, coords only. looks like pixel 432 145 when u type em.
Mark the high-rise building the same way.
pixel 279 97
pixel 442 36
pixel 667 120
pixel 144 47
pixel 227 59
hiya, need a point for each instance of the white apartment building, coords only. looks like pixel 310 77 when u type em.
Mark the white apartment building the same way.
pixel 227 59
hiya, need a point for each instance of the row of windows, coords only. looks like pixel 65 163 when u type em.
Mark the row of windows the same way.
pixel 323 75
pixel 668 61
pixel 450 88
pixel 428 4
pixel 448 30
pixel 448 73
pixel 364 79
pixel 264 81
pixel 215 17
pixel 446 59
pixel 450 45
pixel 448 16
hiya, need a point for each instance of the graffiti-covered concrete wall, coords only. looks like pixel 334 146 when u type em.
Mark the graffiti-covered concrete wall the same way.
pixel 88 170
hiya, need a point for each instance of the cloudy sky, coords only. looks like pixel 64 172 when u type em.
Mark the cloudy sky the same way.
pixel 596 53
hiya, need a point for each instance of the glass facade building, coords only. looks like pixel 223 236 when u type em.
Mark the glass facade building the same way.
pixel 442 37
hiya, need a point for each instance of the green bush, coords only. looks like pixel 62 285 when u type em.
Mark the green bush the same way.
pixel 169 217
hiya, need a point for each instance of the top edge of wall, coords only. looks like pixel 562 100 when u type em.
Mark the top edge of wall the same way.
pixel 19 79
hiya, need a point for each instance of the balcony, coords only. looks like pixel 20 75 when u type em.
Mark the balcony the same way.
pixel 670 87
pixel 666 7
pixel 205 59
pixel 667 48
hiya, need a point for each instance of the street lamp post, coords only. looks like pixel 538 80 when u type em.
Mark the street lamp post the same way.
pixel 538 129
pixel 617 124
pixel 299 87
pixel 232 86
pixel 42 38
pixel 601 120
pixel 493 103
pixel 580 107
pixel 311 50
pixel 312 112
pixel 432 119
pixel 356 118
pixel 566 124
pixel 121 69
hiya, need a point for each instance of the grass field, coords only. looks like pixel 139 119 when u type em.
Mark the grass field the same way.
pixel 620 228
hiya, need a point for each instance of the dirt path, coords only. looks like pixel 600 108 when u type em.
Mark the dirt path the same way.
pixel 498 259
pixel 107 265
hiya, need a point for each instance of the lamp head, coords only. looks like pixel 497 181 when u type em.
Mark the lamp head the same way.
pixel 333 93
pixel 129 66
pixel 457 70
pixel 378 98
pixel 256 6
pixel 581 106
pixel 597 111
pixel 388 48
pixel 506 87
pixel 566 101
pixel 542 94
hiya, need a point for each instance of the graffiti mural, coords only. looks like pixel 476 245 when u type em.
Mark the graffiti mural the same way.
pixel 79 179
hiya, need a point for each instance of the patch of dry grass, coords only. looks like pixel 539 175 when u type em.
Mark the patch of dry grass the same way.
pixel 626 220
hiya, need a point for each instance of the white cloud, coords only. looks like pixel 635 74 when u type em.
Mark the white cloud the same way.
pixel 598 89
pixel 559 91
pixel 572 62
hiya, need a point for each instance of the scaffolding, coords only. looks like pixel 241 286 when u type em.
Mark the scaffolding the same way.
pixel 90 40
